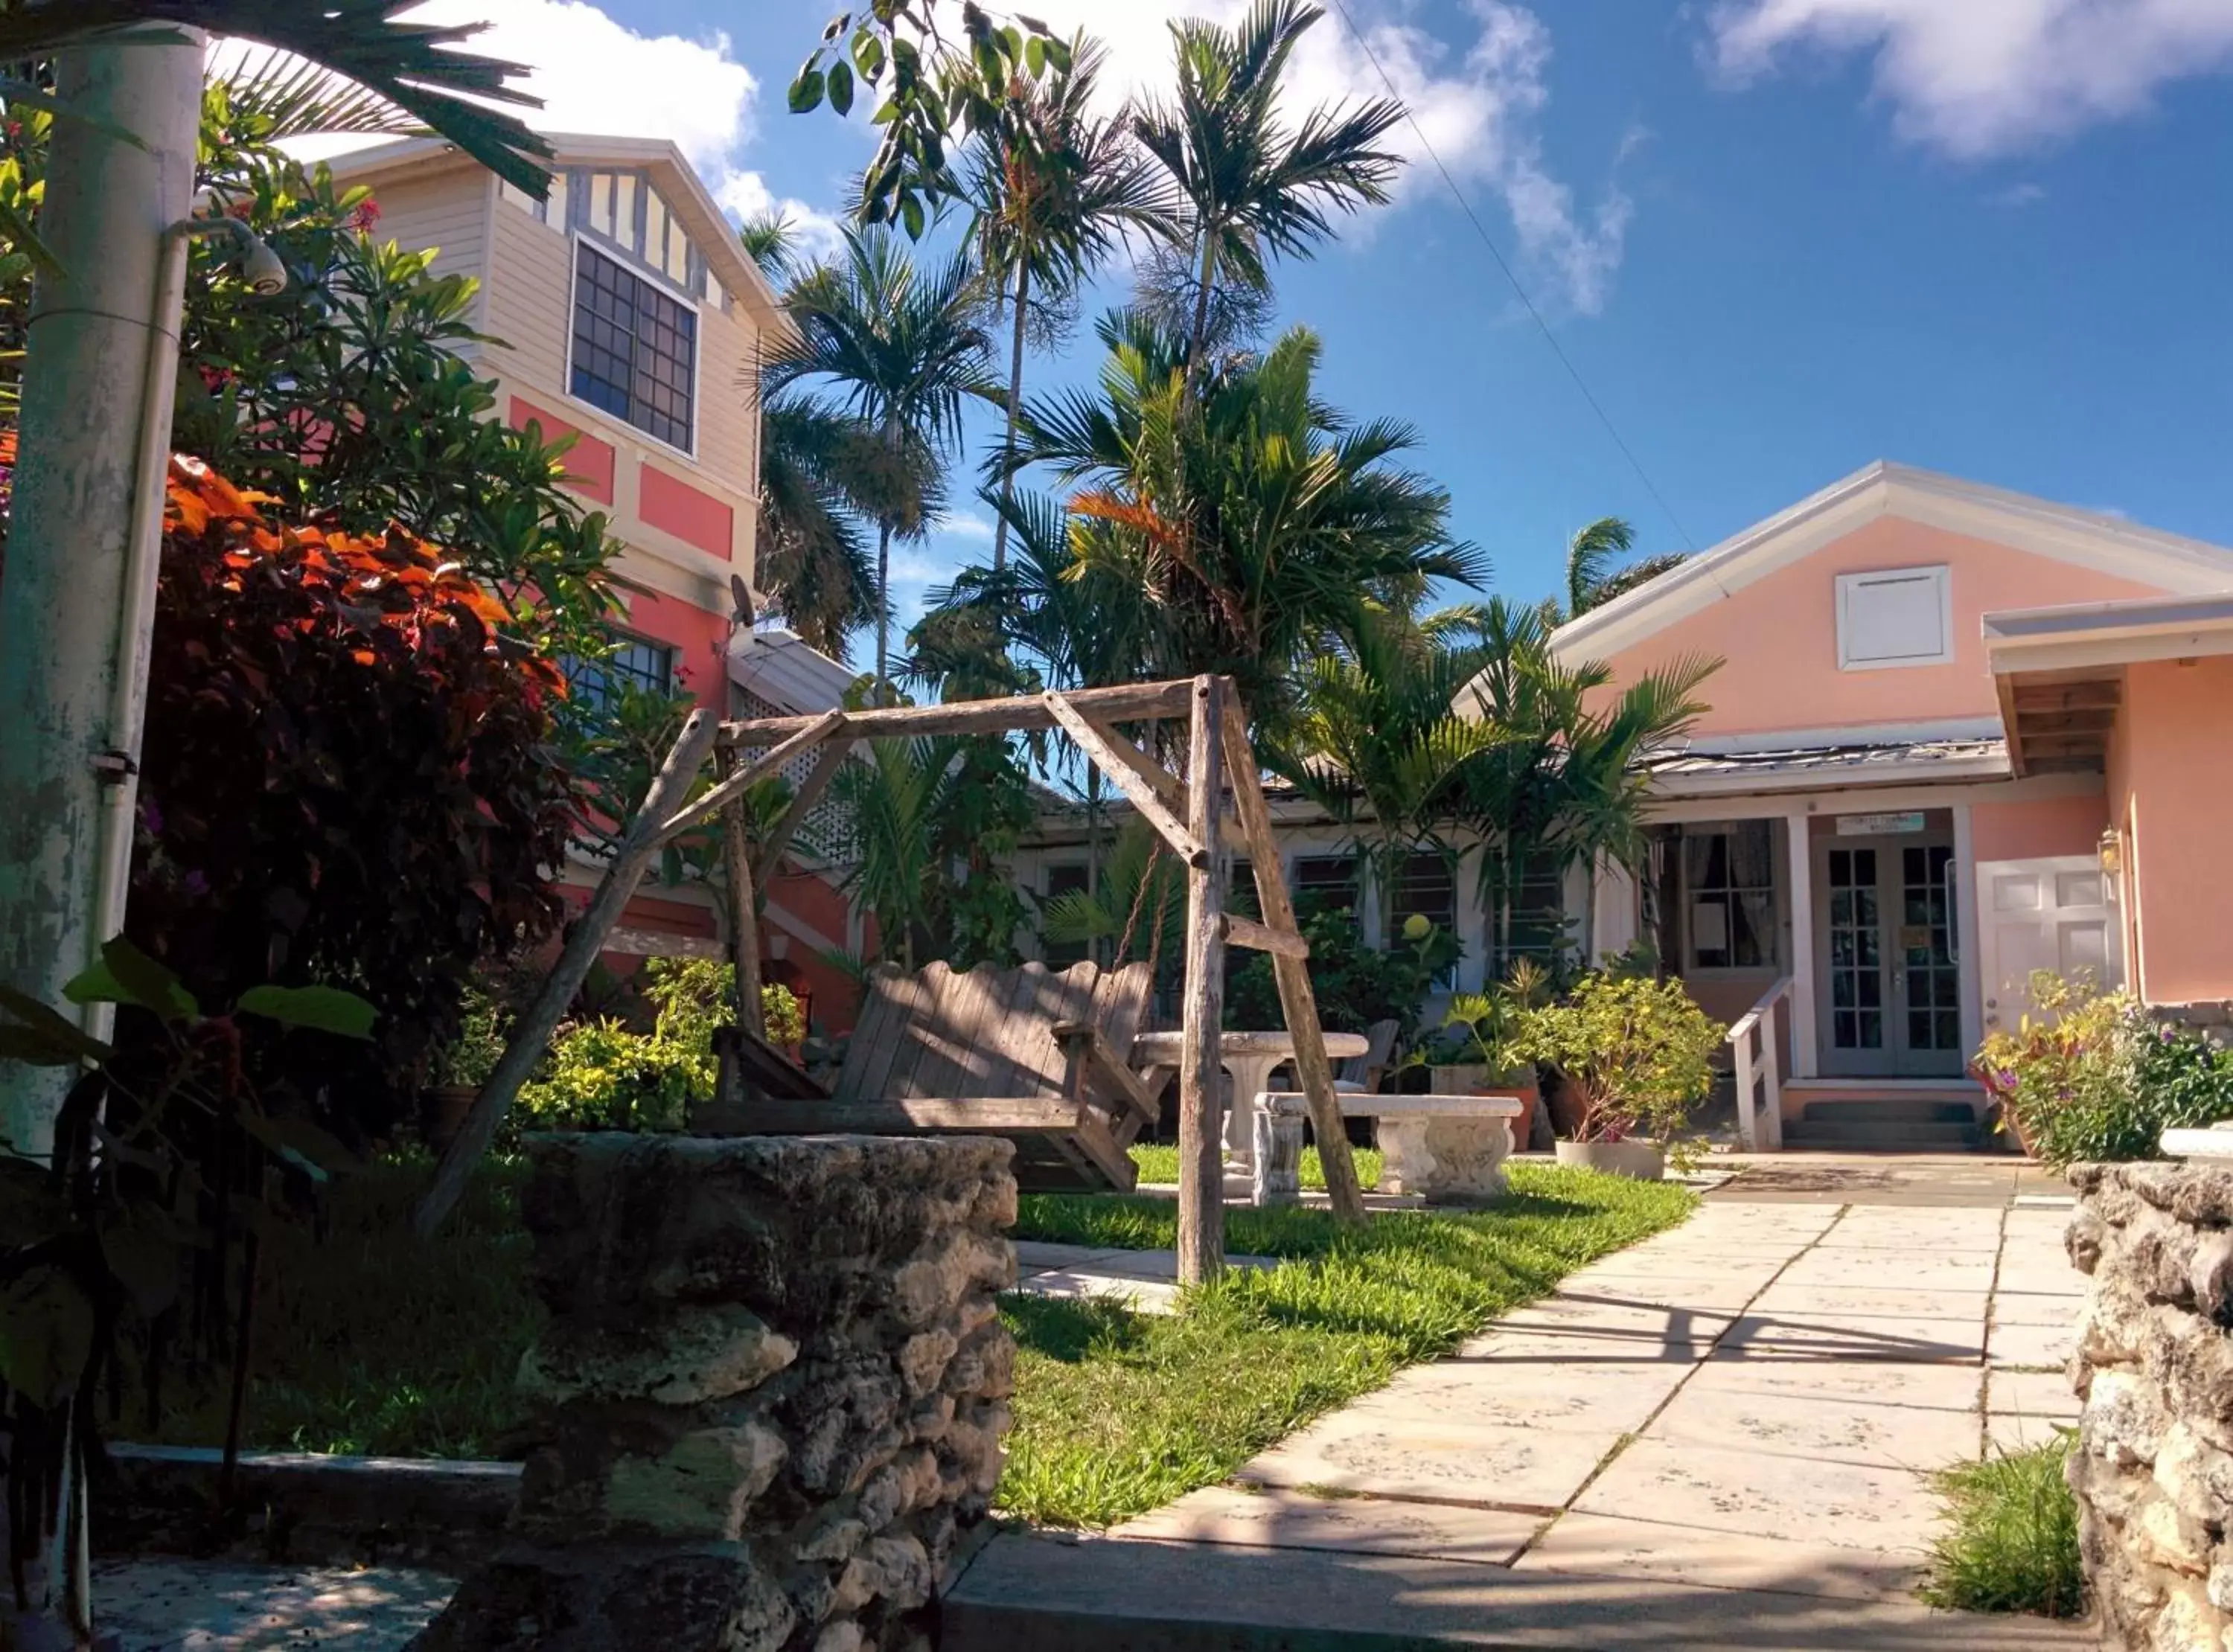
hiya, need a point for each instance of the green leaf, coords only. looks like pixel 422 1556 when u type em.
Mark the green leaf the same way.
pixel 303 1144
pixel 868 55
pixel 127 975
pixel 46 1335
pixel 911 214
pixel 52 1025
pixel 1057 54
pixel 836 27
pixel 841 88
pixel 321 1009
pixel 1035 56
pixel 806 90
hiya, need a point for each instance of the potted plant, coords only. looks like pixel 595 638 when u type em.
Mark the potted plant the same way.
pixel 1494 1030
pixel 462 1068
pixel 1634 1054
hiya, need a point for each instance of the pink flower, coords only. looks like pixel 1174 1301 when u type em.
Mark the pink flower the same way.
pixel 367 215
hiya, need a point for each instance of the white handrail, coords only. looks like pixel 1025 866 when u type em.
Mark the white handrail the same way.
pixel 1756 1045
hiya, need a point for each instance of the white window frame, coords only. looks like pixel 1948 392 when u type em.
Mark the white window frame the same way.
pixel 1848 584
pixel 597 243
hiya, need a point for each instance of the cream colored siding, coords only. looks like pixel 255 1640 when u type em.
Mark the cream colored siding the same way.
pixel 530 287
pixel 728 420
pixel 448 211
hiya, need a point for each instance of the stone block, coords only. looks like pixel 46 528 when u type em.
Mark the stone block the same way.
pixel 684 1357
pixel 603 1598
pixel 703 1486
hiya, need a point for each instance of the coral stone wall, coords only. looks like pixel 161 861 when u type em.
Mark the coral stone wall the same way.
pixel 2153 1470
pixel 771 1399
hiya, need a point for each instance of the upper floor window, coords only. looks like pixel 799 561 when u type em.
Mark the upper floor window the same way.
pixel 635 348
pixel 634 663
pixel 1902 617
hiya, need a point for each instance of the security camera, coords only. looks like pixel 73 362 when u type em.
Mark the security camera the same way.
pixel 261 268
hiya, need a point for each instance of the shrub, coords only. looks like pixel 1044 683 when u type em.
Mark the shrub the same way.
pixel 1635 1053
pixel 349 777
pixel 2012 1539
pixel 2087 1075
pixel 1355 985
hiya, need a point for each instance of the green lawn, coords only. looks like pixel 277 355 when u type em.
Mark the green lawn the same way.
pixel 373 1342
pixel 1118 1413
pixel 1161 1164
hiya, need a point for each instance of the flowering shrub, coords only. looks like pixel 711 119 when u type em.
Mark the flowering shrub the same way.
pixel 1634 1052
pixel 2088 1074
pixel 350 776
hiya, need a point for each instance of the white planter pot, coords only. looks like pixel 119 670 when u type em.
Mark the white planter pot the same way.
pixel 1637 1159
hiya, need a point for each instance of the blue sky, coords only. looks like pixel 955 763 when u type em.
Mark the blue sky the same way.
pixel 1778 238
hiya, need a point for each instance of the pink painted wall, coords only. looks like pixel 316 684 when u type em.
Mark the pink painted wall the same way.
pixel 588 462
pixel 1778 636
pixel 2046 826
pixel 693 515
pixel 699 638
pixel 2173 766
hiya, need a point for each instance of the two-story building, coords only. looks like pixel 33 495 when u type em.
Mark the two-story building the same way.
pixel 624 312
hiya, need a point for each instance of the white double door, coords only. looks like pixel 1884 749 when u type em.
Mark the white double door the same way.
pixel 2056 911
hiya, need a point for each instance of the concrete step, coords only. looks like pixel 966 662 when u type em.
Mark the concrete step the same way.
pixel 1881 1136
pixel 1891 1110
pixel 1026 1592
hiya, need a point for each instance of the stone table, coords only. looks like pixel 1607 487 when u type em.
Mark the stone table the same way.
pixel 1249 1060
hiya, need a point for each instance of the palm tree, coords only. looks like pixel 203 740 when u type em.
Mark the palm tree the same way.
pixel 901 347
pixel 1594 571
pixel 1238 524
pixel 1252 189
pixel 1051 189
pixel 1563 787
pixel 1378 743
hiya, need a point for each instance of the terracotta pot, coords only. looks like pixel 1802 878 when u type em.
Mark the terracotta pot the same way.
pixel 1635 1158
pixel 442 1109
pixel 1529 1097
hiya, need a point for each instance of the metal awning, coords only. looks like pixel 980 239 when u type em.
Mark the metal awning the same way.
pixel 1690 773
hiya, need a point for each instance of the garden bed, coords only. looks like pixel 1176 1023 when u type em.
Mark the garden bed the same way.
pixel 372 1343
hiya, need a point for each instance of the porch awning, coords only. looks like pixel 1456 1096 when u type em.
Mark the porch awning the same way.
pixel 2059 672
pixel 1884 763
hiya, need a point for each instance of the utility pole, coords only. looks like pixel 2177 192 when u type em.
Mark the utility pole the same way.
pixel 85 395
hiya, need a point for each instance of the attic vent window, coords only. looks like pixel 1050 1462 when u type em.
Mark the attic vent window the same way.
pixel 1902 616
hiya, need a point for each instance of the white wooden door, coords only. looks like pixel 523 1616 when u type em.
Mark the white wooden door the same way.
pixel 2055 912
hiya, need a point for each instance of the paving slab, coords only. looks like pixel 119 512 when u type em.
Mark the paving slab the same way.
pixel 2038 1394
pixel 1678 1328
pixel 1277 1517
pixel 1539 1343
pixel 158 1605
pixel 1592 1398
pixel 1653 1550
pixel 2034 1308
pixel 1801 1499
pixel 2032 1347
pixel 1916 1270
pixel 1937 1388
pixel 1027 1593
pixel 1713 1293
pixel 1854 1336
pixel 2008 1433
pixel 1082 1284
pixel 1439 1460
pixel 1871 1301
pixel 1828 1429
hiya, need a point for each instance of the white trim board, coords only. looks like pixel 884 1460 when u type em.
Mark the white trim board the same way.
pixel 1833 801
pixel 2106 544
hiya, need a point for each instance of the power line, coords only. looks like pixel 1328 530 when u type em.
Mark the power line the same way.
pixel 1526 303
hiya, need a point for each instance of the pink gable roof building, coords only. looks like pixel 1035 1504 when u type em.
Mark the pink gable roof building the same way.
pixel 1959 734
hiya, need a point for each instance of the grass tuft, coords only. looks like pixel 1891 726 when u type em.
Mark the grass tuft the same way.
pixel 1118 1413
pixel 2011 1542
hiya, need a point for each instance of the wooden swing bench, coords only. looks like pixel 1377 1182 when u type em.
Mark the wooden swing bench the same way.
pixel 1036 1055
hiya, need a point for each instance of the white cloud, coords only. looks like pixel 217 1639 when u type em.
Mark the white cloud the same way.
pixel 1982 78
pixel 1478 104
pixel 2025 194
pixel 966 524
pixel 596 75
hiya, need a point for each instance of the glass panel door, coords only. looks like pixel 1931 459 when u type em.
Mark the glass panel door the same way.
pixel 1888 958
pixel 1855 976
pixel 1927 980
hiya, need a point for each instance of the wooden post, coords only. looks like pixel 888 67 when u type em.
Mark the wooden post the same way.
pixel 1201 1171
pixel 744 908
pixel 532 1034
pixel 1293 975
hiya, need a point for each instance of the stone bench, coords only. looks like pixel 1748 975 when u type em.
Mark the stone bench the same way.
pixel 1446 1149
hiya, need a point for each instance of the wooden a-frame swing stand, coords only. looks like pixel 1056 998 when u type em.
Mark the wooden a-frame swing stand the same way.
pixel 1187 811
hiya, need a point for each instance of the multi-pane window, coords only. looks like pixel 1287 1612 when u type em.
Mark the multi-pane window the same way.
pixel 1729 874
pixel 1326 880
pixel 637 663
pixel 1067 877
pixel 1427 887
pixel 635 348
pixel 1526 910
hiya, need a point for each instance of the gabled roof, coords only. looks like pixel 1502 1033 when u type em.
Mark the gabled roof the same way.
pixel 2088 539
pixel 685 193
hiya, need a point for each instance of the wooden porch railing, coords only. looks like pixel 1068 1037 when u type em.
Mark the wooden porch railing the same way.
pixel 1756 1043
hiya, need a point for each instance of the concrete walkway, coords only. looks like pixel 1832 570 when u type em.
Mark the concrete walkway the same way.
pixel 1720 1437
pixel 1144 1281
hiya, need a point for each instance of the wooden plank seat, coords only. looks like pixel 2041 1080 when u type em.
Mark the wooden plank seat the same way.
pixel 1036 1055
pixel 1446 1149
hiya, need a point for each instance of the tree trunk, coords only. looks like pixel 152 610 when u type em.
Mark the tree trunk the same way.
pixel 1015 405
pixel 883 609
pixel 1200 343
